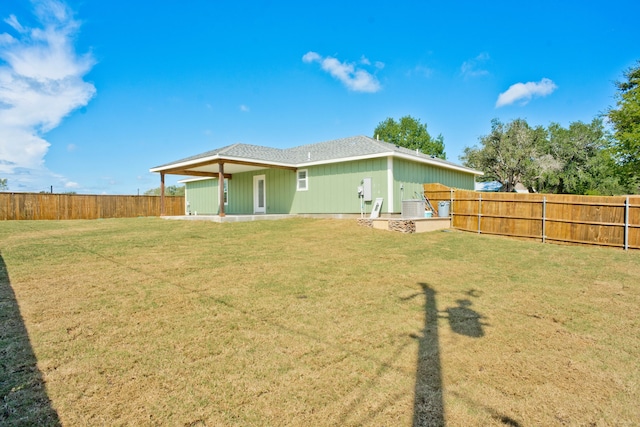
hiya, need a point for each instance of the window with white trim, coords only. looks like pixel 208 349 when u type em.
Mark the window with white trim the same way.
pixel 303 180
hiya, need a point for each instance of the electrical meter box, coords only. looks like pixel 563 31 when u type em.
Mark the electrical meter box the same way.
pixel 366 189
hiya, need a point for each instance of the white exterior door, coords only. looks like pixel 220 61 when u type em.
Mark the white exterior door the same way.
pixel 259 194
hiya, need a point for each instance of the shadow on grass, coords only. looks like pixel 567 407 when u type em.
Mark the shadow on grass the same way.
pixel 428 407
pixel 428 404
pixel 23 398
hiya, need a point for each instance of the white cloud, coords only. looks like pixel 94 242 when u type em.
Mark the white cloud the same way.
pixel 71 184
pixel 72 147
pixel 311 57
pixel 41 82
pixel 473 67
pixel 13 22
pixel 355 79
pixel 524 92
pixel 244 108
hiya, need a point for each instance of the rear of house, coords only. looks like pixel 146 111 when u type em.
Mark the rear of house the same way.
pixel 323 178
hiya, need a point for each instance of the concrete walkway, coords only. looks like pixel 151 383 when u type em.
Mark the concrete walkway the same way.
pixel 231 218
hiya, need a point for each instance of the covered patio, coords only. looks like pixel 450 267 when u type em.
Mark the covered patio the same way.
pixel 215 164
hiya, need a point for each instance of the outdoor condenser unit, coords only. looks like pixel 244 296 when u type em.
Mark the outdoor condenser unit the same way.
pixel 413 208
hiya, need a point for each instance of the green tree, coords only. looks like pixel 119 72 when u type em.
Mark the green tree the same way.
pixel 171 190
pixel 410 133
pixel 507 154
pixel 3 184
pixel 577 160
pixel 626 123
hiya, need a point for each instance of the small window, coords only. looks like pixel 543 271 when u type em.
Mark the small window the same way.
pixel 303 180
pixel 226 191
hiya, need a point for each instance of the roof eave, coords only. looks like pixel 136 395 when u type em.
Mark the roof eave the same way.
pixel 184 166
pixel 428 161
pixel 437 163
pixel 184 181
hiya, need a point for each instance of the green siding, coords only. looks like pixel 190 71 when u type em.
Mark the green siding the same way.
pixel 202 196
pixel 240 194
pixel 413 175
pixel 280 186
pixel 333 187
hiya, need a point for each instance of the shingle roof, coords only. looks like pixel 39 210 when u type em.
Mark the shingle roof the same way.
pixel 355 147
pixel 243 151
pixel 335 150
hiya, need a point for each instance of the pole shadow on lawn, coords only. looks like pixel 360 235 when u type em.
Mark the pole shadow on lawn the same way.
pixel 23 397
pixel 428 407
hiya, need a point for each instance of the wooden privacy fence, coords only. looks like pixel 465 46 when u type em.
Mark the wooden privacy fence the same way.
pixel 18 206
pixel 592 220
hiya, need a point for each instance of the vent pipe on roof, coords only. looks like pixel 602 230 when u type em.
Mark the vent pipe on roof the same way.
pixel 378 136
pixel 309 156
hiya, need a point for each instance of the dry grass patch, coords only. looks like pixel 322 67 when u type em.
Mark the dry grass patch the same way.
pixel 312 322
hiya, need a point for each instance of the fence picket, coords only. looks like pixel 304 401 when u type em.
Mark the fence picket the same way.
pixel 594 220
pixel 45 206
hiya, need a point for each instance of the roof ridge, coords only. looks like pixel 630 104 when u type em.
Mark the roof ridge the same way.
pixel 381 142
pixel 228 147
pixel 347 138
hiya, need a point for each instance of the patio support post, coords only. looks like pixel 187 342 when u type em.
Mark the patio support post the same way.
pixel 161 193
pixel 221 188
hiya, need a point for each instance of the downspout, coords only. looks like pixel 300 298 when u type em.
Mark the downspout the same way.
pixel 390 184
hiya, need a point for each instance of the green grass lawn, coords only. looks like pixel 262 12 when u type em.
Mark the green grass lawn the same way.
pixel 311 322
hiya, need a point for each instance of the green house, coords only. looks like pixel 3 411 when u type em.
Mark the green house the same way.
pixel 339 177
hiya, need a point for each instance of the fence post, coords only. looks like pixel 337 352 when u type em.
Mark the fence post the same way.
pixel 626 224
pixel 479 211
pixel 451 205
pixel 544 219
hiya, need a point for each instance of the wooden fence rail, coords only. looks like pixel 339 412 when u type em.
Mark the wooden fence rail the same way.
pixel 592 220
pixel 37 206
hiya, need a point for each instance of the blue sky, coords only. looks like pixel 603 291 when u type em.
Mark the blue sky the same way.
pixel 93 93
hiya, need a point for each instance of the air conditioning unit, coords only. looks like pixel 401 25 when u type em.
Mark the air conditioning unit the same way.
pixel 413 208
